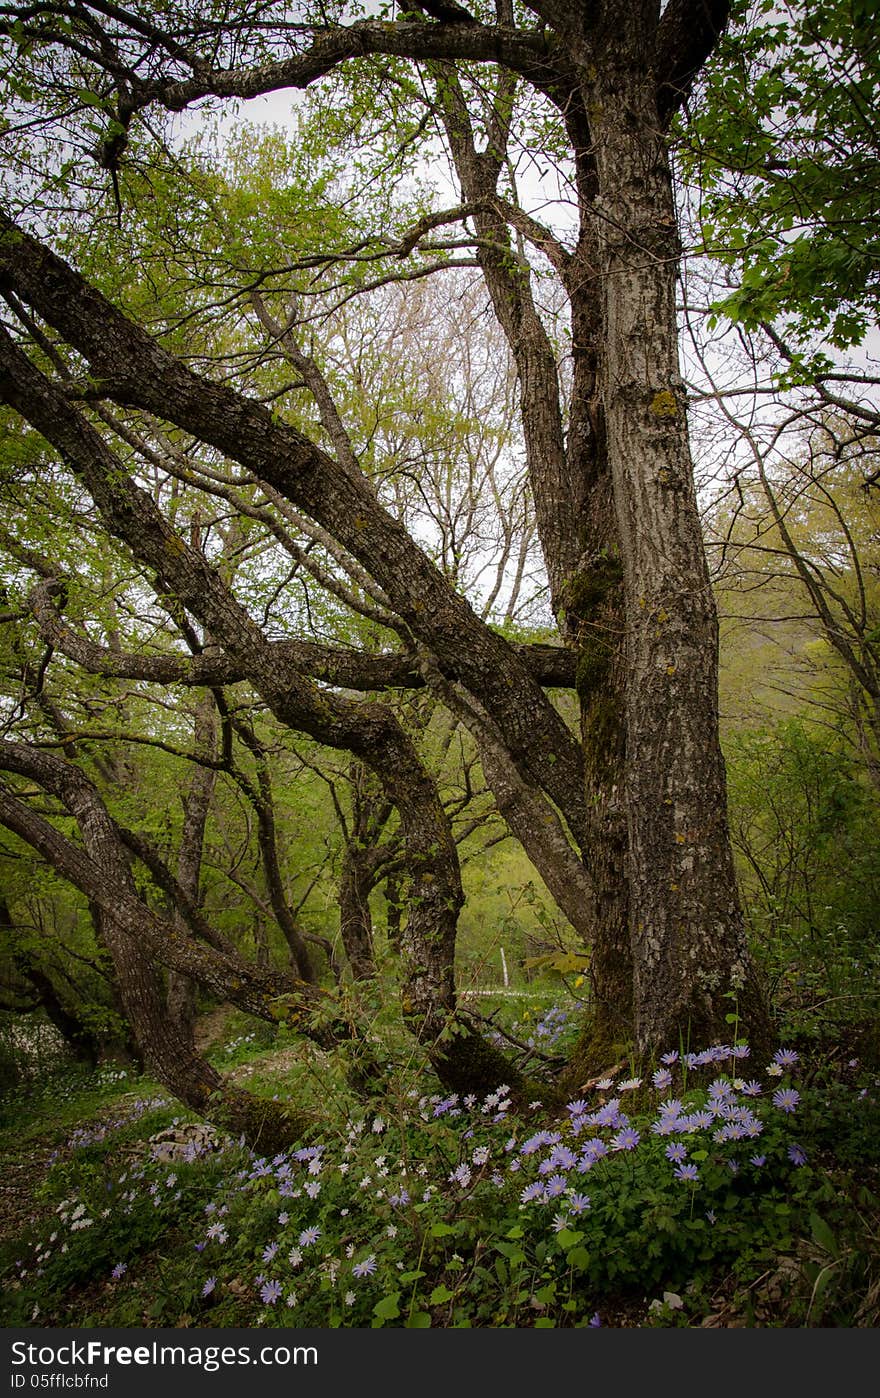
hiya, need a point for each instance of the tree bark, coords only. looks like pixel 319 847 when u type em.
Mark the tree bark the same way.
pixel 691 963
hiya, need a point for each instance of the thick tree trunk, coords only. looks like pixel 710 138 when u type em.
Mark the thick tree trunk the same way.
pixel 355 921
pixel 691 964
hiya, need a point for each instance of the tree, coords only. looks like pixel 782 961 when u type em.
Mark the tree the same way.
pixel 122 386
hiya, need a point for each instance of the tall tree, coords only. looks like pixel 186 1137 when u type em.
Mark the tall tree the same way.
pixel 642 795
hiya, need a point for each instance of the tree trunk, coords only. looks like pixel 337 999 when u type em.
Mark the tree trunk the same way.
pixel 355 921
pixel 691 964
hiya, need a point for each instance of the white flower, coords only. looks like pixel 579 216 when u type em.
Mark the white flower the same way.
pixel 378 1125
pixel 291 1300
pixel 391 1231
pixel 628 1085
pixel 294 1257
pixel 350 1298
pixel 480 1155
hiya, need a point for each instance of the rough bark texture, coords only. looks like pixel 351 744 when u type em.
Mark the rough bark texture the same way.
pixel 687 934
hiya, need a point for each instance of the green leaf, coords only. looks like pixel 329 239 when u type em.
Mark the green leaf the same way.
pixel 440 1295
pixel 419 1320
pixel 388 1308
pixel 823 1236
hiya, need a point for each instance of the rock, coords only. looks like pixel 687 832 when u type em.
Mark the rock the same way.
pixel 186 1141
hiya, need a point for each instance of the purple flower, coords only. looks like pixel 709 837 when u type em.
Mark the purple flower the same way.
pixel 752 1088
pixel 740 1051
pixel 209 1286
pixel 309 1236
pixel 595 1321
pixel 687 1172
pixel 757 1161
pixel 662 1079
pixel 556 1185
pixel 676 1151
pixel 785 1057
pixel 797 1155
pixel 532 1192
pixel 365 1268
pixel 270 1292
pixel 786 1099
pixel 119 1270
pixel 579 1203
pixel 627 1139
pixel 563 1158
pixel 669 1058
pixel 269 1251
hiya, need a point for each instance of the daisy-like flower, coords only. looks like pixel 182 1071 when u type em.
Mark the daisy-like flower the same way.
pixel 757 1161
pixel 480 1155
pixel 752 1088
pixel 559 1222
pixel 531 1192
pixel 555 1186
pixel 119 1270
pixel 312 1188
pixel 687 1172
pixel 269 1251
pixel 785 1057
pixel 676 1151
pixel 563 1158
pixel 595 1321
pixel 283 1218
pixel 309 1236
pixel 349 1298
pixel 604 1083
pixel 786 1099
pixel 460 1175
pixel 365 1268
pixel 662 1079
pixel 579 1203
pixel 290 1301
pixel 774 1070
pixel 294 1257
pixel 209 1286
pixel 797 1155
pixel 270 1292
pixel 629 1084
pixel 627 1139
pixel 577 1108
pixel 669 1058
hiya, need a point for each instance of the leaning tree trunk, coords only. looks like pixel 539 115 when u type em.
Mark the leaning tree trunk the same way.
pixel 691 964
pixel 181 997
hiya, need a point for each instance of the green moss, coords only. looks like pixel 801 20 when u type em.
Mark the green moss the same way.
pixel 592 669
pixel 663 404
pixel 603 734
pixel 586 589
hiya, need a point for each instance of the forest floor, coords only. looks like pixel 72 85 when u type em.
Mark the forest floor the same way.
pixel 56 1140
